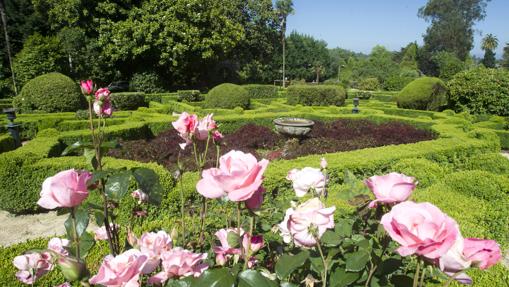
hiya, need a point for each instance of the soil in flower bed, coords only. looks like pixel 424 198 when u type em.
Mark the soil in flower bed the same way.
pixel 263 142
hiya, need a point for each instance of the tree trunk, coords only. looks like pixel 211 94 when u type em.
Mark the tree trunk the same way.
pixel 7 45
pixel 283 40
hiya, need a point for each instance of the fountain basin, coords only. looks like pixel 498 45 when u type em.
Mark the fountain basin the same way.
pixel 293 127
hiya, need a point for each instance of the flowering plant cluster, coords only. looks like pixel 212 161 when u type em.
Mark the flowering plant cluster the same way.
pixel 388 241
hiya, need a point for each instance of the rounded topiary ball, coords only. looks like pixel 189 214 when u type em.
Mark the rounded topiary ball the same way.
pixel 53 92
pixel 426 93
pixel 227 96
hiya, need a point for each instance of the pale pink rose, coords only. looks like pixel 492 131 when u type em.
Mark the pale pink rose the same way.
pixel 102 94
pixel 217 136
pixel 307 179
pixel 205 126
pixel 153 245
pixel 122 270
pixel 101 234
pixel 32 266
pixel 140 196
pixel 420 228
pixel 102 103
pixel 225 251
pixel 186 126
pixel 65 189
pixel 255 202
pixel 239 176
pixel 482 253
pixel 323 163
pixel 87 87
pixel 178 263
pixel 58 246
pixel 299 222
pixel 454 261
pixel 390 188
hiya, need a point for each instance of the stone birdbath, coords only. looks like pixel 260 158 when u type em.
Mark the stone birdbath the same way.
pixel 293 127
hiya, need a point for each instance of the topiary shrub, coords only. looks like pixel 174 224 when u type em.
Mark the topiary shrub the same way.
pixel 146 82
pixel 128 101
pixel 368 84
pixel 261 91
pixel 426 93
pixel 189 96
pixel 425 171
pixel 227 96
pixel 480 91
pixel 50 93
pixel 316 95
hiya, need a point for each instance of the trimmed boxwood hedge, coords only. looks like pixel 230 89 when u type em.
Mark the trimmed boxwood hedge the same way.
pixel 316 95
pixel 189 96
pixel 128 101
pixel 426 93
pixel 227 96
pixel 261 91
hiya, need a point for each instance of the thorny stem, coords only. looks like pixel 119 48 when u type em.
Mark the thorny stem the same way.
pixel 250 236
pixel 238 230
pixel 423 274
pixel 416 275
pixel 76 239
pixel 202 219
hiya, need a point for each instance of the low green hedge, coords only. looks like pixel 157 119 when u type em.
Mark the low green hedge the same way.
pixel 189 96
pixel 6 143
pixel 261 91
pixel 316 95
pixel 128 101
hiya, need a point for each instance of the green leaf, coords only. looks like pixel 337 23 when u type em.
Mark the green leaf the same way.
pixel 215 278
pixel 253 278
pixel 390 265
pixel 86 243
pixel 344 227
pixel 342 278
pixel 76 146
pixel 106 146
pixel 89 155
pixel 69 228
pixel 401 280
pixel 82 219
pixel 148 181
pixel 233 239
pixel 357 261
pixel 288 263
pixel 98 175
pixel 99 218
pixel 117 185
pixel 330 238
pixel 185 282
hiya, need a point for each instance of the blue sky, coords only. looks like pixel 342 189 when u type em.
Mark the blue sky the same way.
pixel 359 25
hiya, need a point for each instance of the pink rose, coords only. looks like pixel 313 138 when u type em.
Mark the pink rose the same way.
pixel 255 202
pixel 256 243
pixel 153 245
pixel 101 234
pixel 140 196
pixel 102 103
pixel 206 125
pixel 59 245
pixel 482 253
pixel 121 270
pixel 454 261
pixel 32 266
pixel 307 179
pixel 323 163
pixel 390 188
pixel 225 251
pixel 305 222
pixel 420 228
pixel 239 176
pixel 217 136
pixel 179 263
pixel 186 126
pixel 87 87
pixel 65 189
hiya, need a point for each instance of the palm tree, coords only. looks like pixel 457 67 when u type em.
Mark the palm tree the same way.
pixel 490 42
pixel 283 9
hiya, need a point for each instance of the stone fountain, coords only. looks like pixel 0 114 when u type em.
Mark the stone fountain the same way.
pixel 293 127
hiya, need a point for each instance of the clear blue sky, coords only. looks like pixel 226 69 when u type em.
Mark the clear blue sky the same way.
pixel 359 25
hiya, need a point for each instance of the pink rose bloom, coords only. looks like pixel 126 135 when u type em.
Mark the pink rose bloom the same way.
pixel 225 251
pixel 101 234
pixel 217 136
pixel 390 188
pixel 87 87
pixel 32 266
pixel 255 202
pixel 140 196
pixel 239 176
pixel 65 189
pixel 306 179
pixel 58 246
pixel 455 261
pixel 256 243
pixel 179 263
pixel 206 125
pixel 323 163
pixel 153 245
pixel 186 126
pixel 102 103
pixel 420 228
pixel 482 253
pixel 299 222
pixel 122 270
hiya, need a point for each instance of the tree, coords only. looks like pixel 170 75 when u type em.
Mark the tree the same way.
pixel 505 57
pixel 379 64
pixel 451 28
pixel 8 45
pixel 409 59
pixel 308 58
pixel 448 65
pixel 489 43
pixel 284 8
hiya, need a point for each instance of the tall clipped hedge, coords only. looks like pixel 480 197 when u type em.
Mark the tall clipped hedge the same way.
pixel 261 91
pixel 53 92
pixel 316 95
pixel 426 93
pixel 227 96
pixel 128 101
pixel 480 91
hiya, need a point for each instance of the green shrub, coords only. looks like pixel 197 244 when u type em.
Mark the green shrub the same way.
pixel 146 82
pixel 491 162
pixel 227 96
pixel 368 84
pixel 425 171
pixel 128 101
pixel 480 91
pixel 363 95
pixel 6 143
pixel 424 93
pixel 53 92
pixel 189 96
pixel 261 91
pixel 396 82
pixel 316 95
